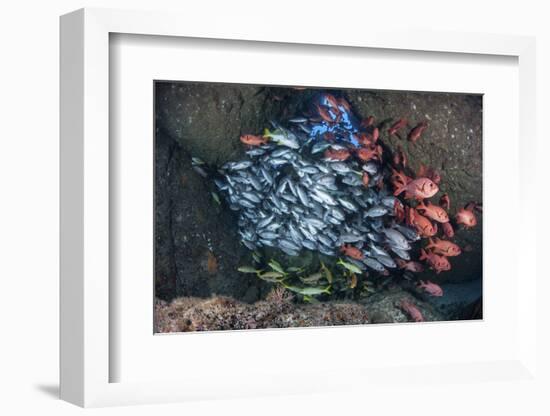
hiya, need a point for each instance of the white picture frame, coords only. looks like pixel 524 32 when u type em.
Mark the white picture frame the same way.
pixel 85 221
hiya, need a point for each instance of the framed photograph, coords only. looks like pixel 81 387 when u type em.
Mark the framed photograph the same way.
pixel 236 209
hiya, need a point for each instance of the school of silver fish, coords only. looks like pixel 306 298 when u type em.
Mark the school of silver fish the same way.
pixel 316 183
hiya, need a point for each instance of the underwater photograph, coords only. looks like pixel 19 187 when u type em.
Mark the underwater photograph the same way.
pixel 291 206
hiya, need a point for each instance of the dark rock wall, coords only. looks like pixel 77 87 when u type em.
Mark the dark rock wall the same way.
pixel 197 250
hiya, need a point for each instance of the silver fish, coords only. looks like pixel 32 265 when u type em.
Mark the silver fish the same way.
pixel 408 232
pixel 326 250
pixel 347 204
pixel 371 168
pixel 373 264
pixel 340 167
pixel 290 245
pixel 324 196
pixel 302 195
pixel 377 211
pixel 396 239
pixel 280 152
pixel 310 169
pixel 267 176
pixel 325 240
pixel 351 238
pixel 245 203
pixel 274 226
pixel 337 213
pixel 289 197
pixel 389 201
pixel 315 222
pixel 297 120
pixel 268 235
pixel 265 221
pixel 251 197
pixel 386 261
pixel 268 243
pixel 404 254
pixel 319 147
pixel 378 250
pixel 255 183
pixel 243 164
pixel 278 161
pixel 197 161
pixel 255 152
pixel 310 245
pixel 200 171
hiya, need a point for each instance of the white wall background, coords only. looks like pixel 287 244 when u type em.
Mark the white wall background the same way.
pixel 29 206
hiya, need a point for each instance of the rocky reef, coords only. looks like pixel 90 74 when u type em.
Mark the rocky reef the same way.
pixel 278 310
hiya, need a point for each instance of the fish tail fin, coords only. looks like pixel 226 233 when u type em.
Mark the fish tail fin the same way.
pixel 410 216
pixel 399 190
pixel 267 133
pixel 423 254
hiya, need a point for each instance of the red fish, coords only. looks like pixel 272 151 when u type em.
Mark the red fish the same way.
pixel 430 173
pixel 375 134
pixel 411 266
pixel 399 179
pixel 331 100
pixel 396 159
pixel 369 121
pixel 474 205
pixel 325 114
pixel 466 217
pixel 399 124
pixel 352 252
pixel 435 176
pixel 416 132
pixel 411 310
pixel 366 179
pixel 422 224
pixel 365 139
pixel 445 202
pixel 420 188
pixel 430 288
pixel 436 262
pixel 433 212
pixel 366 154
pixel 422 170
pixel 398 211
pixel 333 154
pixel 443 247
pixel 448 230
pixel 343 103
pixel 252 140
pixel 402 156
